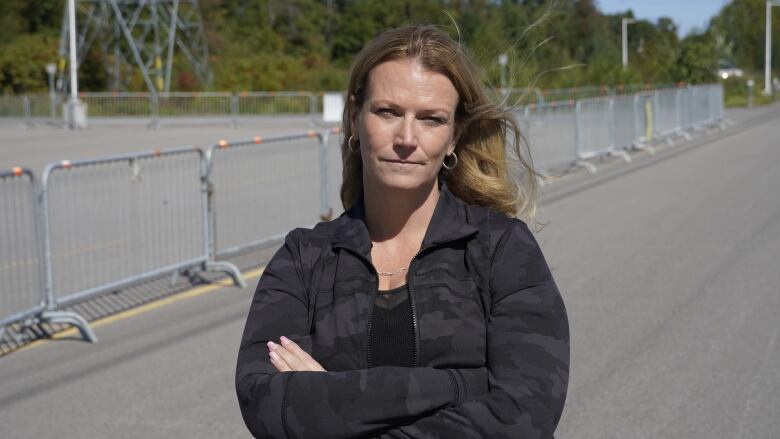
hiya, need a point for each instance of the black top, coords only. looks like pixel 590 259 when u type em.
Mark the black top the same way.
pixel 391 338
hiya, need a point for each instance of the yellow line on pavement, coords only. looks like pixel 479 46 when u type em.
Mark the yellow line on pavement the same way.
pixel 194 292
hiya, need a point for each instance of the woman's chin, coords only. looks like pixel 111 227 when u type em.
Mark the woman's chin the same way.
pixel 405 182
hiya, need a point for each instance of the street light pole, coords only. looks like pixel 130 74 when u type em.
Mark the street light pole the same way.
pixel 74 110
pixel 624 25
pixel 51 69
pixel 503 59
pixel 768 47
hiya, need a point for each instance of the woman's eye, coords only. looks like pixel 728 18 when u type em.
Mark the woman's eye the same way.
pixel 434 121
pixel 385 112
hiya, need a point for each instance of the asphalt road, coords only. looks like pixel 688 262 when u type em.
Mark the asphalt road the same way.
pixel 668 267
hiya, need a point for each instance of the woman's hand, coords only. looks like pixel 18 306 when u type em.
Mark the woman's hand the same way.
pixel 288 356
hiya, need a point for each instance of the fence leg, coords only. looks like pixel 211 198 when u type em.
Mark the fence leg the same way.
pixel 230 269
pixel 326 211
pixel 73 319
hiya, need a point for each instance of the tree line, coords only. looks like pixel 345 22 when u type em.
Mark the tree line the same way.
pixel 309 44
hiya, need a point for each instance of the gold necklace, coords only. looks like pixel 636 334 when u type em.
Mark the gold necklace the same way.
pixel 393 273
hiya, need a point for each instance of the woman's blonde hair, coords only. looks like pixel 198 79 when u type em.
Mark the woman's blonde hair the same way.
pixel 483 126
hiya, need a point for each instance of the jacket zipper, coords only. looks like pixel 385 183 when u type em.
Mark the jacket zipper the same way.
pixel 409 277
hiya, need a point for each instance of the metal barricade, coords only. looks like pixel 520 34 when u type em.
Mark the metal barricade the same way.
pixel 665 112
pixel 551 132
pixel 261 188
pixel 625 131
pixel 21 291
pixel 118 105
pixel 116 222
pixel 22 268
pixel 684 110
pixel 716 102
pixel 195 105
pixel 700 106
pixel 264 103
pixel 593 127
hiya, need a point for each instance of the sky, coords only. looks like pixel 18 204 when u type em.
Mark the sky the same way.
pixel 687 14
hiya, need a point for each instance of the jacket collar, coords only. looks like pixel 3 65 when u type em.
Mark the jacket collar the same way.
pixel 450 222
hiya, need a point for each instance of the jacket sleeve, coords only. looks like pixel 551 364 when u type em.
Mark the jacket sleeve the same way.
pixel 527 354
pixel 353 403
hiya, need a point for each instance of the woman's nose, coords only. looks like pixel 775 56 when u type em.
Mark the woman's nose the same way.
pixel 406 134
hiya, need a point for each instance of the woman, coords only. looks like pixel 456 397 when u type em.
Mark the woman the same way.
pixel 426 309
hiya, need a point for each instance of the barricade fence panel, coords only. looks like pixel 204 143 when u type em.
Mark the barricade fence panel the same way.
pixel 551 131
pixel 624 122
pixel 700 105
pixel 260 103
pixel 262 190
pixel 113 221
pixel 121 105
pixel 20 262
pixel 194 105
pixel 685 108
pixel 12 106
pixel 593 126
pixel 665 112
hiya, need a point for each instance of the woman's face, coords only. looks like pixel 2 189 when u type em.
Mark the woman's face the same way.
pixel 406 124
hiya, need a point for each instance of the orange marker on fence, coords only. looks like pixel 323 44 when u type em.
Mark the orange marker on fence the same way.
pixel 223 144
pixel 258 140
pixel 17 171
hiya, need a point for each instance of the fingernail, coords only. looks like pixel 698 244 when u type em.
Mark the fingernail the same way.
pixel 271 345
pixel 285 340
pixel 273 355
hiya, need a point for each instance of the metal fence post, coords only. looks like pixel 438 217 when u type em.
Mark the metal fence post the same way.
pixel 611 122
pixel 578 129
pixel 154 110
pixel 27 111
pixel 234 109
pixel 312 104
pixel 326 210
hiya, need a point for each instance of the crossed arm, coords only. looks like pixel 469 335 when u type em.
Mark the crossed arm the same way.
pixel 520 392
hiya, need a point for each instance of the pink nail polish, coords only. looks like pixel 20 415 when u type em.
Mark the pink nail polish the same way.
pixel 273 355
pixel 271 345
pixel 285 340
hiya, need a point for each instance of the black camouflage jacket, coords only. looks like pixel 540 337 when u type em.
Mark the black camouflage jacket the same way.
pixel 491 335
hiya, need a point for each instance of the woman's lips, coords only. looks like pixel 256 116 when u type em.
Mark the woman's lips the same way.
pixel 402 162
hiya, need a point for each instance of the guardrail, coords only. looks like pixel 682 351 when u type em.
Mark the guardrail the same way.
pixel 96 226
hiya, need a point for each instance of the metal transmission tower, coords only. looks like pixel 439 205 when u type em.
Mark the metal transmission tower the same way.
pixel 138 34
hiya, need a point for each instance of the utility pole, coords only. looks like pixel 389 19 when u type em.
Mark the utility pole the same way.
pixel 768 47
pixel 624 25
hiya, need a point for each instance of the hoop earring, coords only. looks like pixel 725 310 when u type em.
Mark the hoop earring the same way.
pixel 452 166
pixel 349 146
